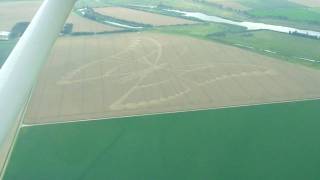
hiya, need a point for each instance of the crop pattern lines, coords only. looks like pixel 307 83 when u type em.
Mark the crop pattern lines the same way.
pixel 153 78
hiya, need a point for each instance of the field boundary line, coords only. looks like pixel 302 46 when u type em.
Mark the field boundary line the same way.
pixel 15 137
pixel 165 113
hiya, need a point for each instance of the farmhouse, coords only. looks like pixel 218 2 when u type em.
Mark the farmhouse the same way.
pixel 4 35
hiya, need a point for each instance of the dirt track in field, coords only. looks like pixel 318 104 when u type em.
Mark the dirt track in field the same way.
pixel 141 73
pixel 27 9
pixel 141 16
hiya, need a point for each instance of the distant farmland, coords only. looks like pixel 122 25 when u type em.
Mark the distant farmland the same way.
pixel 142 73
pixel 13 12
pixel 9 17
pixel 172 98
pixel 82 24
pixel 310 3
pixel 141 16
pixel 230 4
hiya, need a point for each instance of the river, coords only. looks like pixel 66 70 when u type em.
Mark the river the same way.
pixel 246 24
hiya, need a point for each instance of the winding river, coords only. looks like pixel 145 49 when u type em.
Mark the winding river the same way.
pixel 248 25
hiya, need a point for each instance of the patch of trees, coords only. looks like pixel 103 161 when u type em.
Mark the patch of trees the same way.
pixel 18 29
pixel 296 33
pixel 104 32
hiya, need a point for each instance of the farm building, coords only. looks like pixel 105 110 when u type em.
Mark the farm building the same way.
pixel 4 35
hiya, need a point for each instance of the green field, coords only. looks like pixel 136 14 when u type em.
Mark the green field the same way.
pixel 279 141
pixel 199 30
pixel 5 49
pixel 282 12
pixel 290 14
pixel 287 47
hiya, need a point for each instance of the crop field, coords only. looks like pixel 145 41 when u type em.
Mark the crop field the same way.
pixel 81 24
pixel 195 30
pixel 282 12
pixel 189 5
pixel 277 12
pixel 304 51
pixel 291 14
pixel 143 73
pixel 309 3
pixel 9 16
pixel 279 141
pixel 141 16
pixel 301 50
pixel 180 99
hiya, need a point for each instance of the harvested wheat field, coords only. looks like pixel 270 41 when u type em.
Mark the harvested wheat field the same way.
pixel 81 24
pixel 141 16
pixel 8 17
pixel 142 73
pixel 309 3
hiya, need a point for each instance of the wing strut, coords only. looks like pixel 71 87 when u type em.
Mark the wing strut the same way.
pixel 19 73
